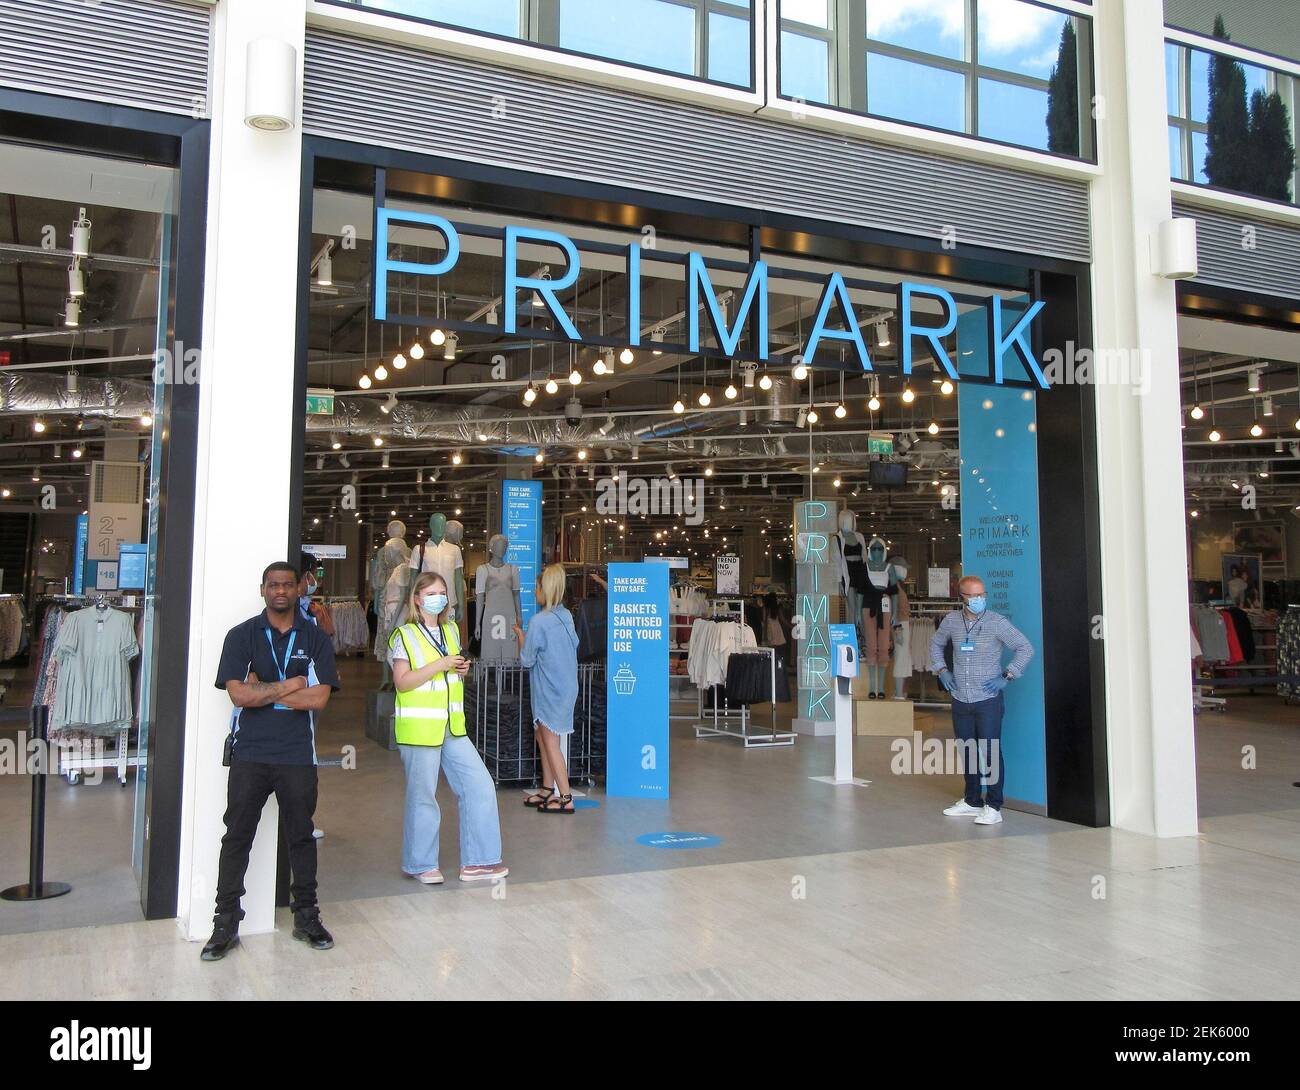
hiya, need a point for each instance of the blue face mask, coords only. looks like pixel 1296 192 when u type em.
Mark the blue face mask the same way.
pixel 434 603
pixel 977 604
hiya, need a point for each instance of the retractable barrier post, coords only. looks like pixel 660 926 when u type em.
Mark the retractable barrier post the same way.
pixel 36 888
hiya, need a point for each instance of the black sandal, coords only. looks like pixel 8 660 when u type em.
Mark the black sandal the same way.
pixel 563 800
pixel 539 799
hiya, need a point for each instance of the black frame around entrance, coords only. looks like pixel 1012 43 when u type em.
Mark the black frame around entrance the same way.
pixel 1078 788
pixel 181 142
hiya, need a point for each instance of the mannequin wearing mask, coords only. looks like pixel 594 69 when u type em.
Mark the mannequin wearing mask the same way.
pixel 442 555
pixel 851 552
pixel 902 626
pixel 877 612
pixel 496 588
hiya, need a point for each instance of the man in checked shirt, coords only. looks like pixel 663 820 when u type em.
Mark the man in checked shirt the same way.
pixel 976 681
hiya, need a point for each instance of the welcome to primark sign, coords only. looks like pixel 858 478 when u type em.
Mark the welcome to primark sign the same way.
pixel 835 320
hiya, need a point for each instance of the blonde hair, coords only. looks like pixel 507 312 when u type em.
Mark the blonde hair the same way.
pixel 552 587
pixel 422 583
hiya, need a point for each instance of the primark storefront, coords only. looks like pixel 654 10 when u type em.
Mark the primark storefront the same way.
pixel 499 255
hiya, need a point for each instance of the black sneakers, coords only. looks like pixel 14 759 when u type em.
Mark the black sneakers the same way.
pixel 310 930
pixel 225 936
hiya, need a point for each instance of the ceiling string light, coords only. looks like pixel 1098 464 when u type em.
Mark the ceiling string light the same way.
pixel 1197 412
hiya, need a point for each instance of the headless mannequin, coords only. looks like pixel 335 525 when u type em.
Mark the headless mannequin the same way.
pixel 876 615
pixel 500 625
pixel 902 626
pixel 850 549
pixel 389 561
pixel 452 569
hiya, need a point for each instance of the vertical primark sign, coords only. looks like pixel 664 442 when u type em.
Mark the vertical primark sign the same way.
pixel 815 580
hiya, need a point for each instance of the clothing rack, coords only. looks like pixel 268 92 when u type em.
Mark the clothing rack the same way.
pixel 737 722
pixel 935 609
pixel 73 767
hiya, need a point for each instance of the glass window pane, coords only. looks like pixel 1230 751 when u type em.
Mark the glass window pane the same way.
pixel 489 16
pixel 1173 80
pixel 930 26
pixel 805 67
pixel 729 49
pixel 918 93
pixel 1198 157
pixel 1200 104
pixel 1023 38
pixel 1176 153
pixel 649 32
pixel 808 12
pixel 1016 115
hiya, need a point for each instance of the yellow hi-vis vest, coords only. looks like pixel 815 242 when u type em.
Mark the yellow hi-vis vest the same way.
pixel 423 714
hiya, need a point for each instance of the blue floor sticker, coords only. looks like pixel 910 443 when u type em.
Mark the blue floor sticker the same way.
pixel 585 804
pixel 679 840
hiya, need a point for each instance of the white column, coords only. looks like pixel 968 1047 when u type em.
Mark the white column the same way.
pixel 1148 649
pixel 245 429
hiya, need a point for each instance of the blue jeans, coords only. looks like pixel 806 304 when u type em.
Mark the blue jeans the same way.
pixel 979 727
pixel 476 794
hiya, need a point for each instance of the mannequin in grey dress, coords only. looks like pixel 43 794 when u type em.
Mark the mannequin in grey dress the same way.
pixel 496 585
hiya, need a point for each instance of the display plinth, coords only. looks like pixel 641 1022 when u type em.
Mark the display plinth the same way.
pixel 891 718
pixel 816 727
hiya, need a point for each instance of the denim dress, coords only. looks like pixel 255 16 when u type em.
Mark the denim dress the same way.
pixel 551 655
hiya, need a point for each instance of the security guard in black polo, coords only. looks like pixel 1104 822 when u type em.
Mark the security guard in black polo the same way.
pixel 278 669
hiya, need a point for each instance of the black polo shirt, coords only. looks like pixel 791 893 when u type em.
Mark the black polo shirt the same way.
pixel 269 735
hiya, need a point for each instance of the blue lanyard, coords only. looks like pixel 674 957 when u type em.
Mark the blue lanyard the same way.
pixel 440 645
pixel 288 651
pixel 972 626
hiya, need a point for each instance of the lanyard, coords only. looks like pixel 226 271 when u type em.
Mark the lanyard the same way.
pixel 288 651
pixel 437 641
pixel 972 626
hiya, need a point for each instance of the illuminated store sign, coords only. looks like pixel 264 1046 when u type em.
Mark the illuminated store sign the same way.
pixel 834 308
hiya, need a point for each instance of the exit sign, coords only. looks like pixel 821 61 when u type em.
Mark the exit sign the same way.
pixel 320 402
pixel 880 444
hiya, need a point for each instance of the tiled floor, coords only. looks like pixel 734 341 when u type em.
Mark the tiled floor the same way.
pixel 813 891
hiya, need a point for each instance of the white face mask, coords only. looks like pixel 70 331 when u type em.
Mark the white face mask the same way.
pixel 434 603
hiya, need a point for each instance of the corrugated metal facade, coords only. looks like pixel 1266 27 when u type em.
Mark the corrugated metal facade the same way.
pixel 402 97
pixel 148 53
pixel 1244 253
pixel 1269 25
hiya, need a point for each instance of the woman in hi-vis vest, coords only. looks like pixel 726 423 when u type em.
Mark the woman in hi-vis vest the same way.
pixel 429 727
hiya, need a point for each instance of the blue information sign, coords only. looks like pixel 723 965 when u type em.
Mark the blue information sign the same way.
pixel 999 532
pixel 79 568
pixel 521 522
pixel 637 681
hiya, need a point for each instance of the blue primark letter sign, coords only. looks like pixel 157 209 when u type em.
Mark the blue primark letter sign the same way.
pixel 814 523
pixel 637 681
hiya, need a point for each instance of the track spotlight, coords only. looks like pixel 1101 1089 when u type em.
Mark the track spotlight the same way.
pixel 882 334
pixel 81 235
pixel 449 348
pixel 1252 380
pixel 801 418
pixel 76 281
pixel 657 337
pixel 72 314
pixel 335 442
pixel 390 403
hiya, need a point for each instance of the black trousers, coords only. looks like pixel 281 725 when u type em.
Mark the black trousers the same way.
pixel 247 790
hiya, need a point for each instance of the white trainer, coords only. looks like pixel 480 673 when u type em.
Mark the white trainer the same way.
pixel 961 808
pixel 989 816
pixel 429 877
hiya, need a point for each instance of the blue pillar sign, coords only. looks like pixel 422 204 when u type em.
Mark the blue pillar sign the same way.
pixel 999 533
pixel 637 681
pixel 79 562
pixel 521 522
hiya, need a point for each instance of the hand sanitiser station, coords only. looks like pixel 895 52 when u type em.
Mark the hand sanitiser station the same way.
pixel 845 670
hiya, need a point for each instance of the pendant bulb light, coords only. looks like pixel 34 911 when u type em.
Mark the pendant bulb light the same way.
pixel 437 338
pixel 552 387
pixel 417 351
pixel 381 373
pixel 364 382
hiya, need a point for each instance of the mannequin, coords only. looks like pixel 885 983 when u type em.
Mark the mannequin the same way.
pixel 444 556
pixel 851 550
pixel 902 626
pixel 496 587
pixel 390 560
pixel 876 618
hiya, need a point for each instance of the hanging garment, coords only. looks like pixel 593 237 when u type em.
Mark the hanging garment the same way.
pixel 94 652
pixel 903 649
pixel 351 628
pixel 592 625
pixel 13 621
pixel 1234 645
pixel 1288 653
pixel 921 632
pixel 496 587
pixel 1240 624
pixel 43 681
pixel 1213 634
pixel 749 679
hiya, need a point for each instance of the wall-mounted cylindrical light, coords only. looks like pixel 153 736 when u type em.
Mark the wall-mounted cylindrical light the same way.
pixel 81 235
pixel 76 281
pixel 270 84
pixel 449 348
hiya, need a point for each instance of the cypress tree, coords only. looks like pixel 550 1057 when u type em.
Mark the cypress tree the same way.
pixel 1228 144
pixel 1063 95
pixel 1272 158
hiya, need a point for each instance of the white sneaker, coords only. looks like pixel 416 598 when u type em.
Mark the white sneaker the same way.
pixel 989 816
pixel 429 877
pixel 961 808
pixel 318 834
